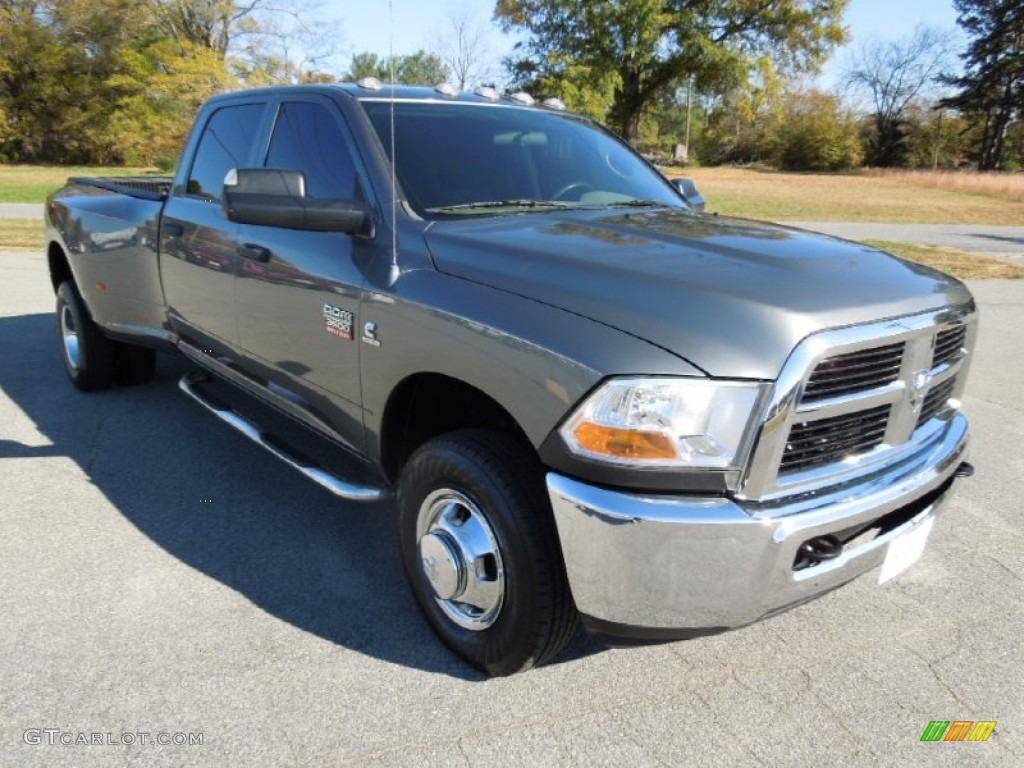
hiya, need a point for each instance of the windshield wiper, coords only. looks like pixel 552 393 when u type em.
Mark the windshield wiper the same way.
pixel 637 203
pixel 491 204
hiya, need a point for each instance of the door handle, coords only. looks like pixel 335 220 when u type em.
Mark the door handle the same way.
pixel 173 229
pixel 254 252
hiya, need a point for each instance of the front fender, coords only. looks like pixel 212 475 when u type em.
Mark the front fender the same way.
pixel 535 360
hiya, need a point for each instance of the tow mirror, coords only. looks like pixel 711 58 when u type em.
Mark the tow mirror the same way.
pixel 274 197
pixel 688 189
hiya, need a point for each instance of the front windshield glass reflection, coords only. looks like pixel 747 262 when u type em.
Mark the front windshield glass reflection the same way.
pixel 463 159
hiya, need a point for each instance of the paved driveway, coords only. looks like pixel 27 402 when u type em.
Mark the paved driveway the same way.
pixel 21 210
pixel 1005 243
pixel 161 574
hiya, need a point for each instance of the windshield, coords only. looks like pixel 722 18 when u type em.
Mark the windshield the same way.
pixel 464 159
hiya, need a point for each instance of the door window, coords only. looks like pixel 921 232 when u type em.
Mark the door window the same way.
pixel 226 143
pixel 307 138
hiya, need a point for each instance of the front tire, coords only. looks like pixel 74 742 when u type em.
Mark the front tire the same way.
pixel 481 551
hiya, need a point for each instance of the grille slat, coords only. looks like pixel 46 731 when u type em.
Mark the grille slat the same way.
pixel 855 372
pixel 852 384
pixel 810 456
pixel 830 440
pixel 947 344
pixel 935 401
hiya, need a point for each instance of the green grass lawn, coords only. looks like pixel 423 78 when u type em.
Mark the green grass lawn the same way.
pixel 32 183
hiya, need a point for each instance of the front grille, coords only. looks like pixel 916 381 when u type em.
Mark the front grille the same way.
pixel 851 399
pixel 813 443
pixel 935 401
pixel 948 344
pixel 855 372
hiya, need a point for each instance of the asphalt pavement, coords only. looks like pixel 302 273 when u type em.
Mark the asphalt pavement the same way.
pixel 160 574
pixel 1005 243
pixel 21 210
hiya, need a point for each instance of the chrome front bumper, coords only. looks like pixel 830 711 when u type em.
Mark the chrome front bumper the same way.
pixel 647 567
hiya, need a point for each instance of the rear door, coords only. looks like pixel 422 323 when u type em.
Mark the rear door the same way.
pixel 199 256
pixel 297 297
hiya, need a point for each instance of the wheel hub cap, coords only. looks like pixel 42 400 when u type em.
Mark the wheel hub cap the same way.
pixel 69 333
pixel 444 566
pixel 460 559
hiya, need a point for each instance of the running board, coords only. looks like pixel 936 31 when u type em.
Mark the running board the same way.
pixel 318 475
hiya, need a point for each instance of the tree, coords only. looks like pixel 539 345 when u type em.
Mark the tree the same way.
pixel 56 60
pixel 211 24
pixel 816 134
pixel 420 68
pixel 651 45
pixel 463 49
pixel 104 81
pixel 894 74
pixel 991 90
pixel 936 137
pixel 156 95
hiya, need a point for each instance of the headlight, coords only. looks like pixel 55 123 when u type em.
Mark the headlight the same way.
pixel 665 422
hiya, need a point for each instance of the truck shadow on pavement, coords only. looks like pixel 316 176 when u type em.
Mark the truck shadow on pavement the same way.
pixel 222 505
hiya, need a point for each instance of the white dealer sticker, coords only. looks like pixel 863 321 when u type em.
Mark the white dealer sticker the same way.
pixel 905 551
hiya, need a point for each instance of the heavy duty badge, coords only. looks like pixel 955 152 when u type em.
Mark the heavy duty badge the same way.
pixel 338 321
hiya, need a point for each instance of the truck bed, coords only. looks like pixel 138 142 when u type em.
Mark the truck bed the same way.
pixel 144 187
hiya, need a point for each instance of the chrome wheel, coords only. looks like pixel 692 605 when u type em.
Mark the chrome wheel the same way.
pixel 460 558
pixel 69 334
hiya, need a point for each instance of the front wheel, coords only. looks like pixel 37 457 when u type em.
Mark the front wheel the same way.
pixel 481 552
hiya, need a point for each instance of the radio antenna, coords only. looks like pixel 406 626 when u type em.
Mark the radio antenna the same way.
pixel 395 271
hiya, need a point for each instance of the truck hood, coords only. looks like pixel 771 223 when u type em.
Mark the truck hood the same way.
pixel 730 296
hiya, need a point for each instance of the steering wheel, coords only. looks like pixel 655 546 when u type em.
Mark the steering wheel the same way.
pixel 581 187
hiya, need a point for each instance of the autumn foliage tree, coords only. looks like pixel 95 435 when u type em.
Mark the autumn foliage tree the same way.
pixel 651 45
pixel 110 81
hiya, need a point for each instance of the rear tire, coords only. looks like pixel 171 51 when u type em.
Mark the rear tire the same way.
pixel 481 552
pixel 88 355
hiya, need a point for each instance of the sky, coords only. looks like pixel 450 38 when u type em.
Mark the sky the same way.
pixel 409 25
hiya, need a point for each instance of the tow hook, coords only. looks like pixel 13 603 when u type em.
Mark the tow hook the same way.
pixel 818 550
pixel 966 469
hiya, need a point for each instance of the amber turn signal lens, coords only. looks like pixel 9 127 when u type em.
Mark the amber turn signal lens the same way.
pixel 625 443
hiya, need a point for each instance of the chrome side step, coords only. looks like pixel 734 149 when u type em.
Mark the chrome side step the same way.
pixel 332 483
pixel 226 371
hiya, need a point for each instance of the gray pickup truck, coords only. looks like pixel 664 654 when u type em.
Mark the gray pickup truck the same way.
pixel 591 400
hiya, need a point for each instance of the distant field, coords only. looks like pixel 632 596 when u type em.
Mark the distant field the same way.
pixel 21 234
pixel 966 266
pixel 32 183
pixel 908 197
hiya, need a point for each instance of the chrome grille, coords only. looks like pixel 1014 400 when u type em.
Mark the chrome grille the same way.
pixel 851 399
pixel 855 371
pixel 813 443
